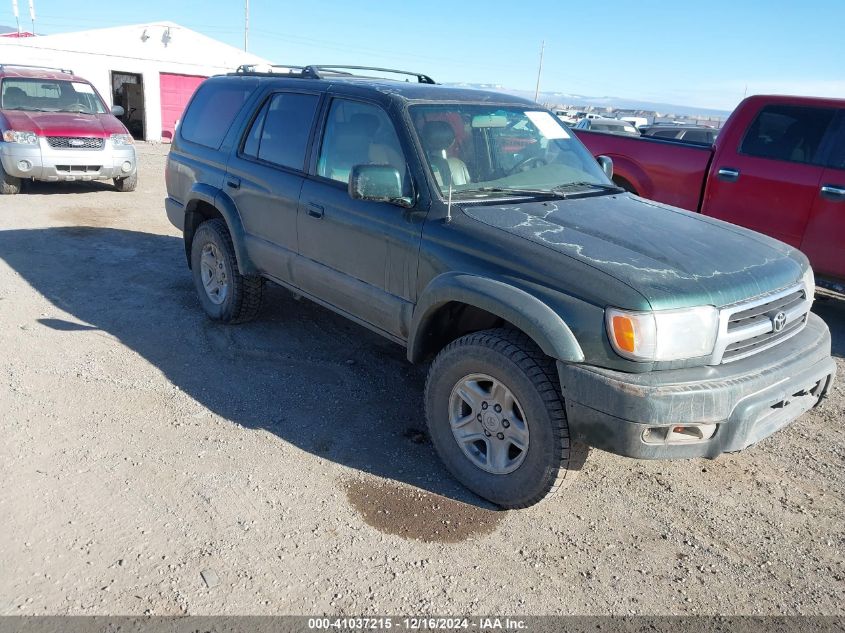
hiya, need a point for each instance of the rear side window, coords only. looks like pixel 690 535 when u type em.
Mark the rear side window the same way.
pixel 280 132
pixel 212 111
pixel 788 133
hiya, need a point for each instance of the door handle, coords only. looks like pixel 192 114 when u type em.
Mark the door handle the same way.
pixel 728 174
pixel 233 182
pixel 315 210
pixel 833 192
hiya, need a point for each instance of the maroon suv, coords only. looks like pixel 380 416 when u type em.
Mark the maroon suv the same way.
pixel 56 127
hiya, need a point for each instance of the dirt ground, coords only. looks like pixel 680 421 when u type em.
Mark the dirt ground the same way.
pixel 153 462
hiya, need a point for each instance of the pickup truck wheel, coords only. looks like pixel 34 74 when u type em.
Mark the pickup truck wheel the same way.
pixel 130 183
pixel 497 420
pixel 8 184
pixel 225 294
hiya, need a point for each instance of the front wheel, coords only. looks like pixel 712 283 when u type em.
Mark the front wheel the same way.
pixel 130 183
pixel 9 185
pixel 496 418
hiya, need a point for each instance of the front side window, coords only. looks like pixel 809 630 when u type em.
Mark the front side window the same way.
pixel 359 134
pixel 789 133
pixel 50 95
pixel 280 132
pixel 474 149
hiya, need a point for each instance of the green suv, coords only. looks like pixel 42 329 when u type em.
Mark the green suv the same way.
pixel 557 311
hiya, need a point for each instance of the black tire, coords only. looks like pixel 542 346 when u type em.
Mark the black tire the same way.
pixel 130 183
pixel 512 358
pixel 244 294
pixel 9 185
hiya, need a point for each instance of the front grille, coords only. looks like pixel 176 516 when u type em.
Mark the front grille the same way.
pixel 76 142
pixel 760 313
pixel 748 346
pixel 749 327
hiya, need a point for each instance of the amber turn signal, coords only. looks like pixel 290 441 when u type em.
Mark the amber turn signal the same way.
pixel 623 333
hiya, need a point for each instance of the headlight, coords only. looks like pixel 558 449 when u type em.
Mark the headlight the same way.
pixel 663 334
pixel 24 138
pixel 122 139
pixel 809 280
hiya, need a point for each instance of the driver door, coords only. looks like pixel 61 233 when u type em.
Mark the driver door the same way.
pixel 357 255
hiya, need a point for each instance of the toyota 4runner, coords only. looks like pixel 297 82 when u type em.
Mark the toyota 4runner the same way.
pixel 559 311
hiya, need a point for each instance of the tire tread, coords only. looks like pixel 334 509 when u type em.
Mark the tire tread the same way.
pixel 247 291
pixel 520 349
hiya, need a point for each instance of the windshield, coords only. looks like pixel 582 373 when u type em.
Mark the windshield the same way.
pixel 482 149
pixel 49 95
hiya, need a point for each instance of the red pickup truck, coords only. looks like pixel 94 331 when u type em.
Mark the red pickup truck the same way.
pixel 777 166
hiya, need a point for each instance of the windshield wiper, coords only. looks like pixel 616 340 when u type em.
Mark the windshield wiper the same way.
pixel 594 185
pixel 25 109
pixel 549 193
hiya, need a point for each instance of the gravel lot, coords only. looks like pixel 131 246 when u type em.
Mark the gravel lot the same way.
pixel 153 462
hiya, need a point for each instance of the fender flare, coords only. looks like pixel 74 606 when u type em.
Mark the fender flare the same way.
pixel 516 306
pixel 225 206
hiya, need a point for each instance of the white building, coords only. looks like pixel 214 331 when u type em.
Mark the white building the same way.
pixel 149 69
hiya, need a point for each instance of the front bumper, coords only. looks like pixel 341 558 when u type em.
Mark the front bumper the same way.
pixel 42 162
pixel 748 400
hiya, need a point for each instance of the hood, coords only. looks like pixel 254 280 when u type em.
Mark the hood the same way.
pixel 64 123
pixel 674 258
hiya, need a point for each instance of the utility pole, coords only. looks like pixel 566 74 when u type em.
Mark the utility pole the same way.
pixel 246 25
pixel 32 14
pixel 539 70
pixel 17 15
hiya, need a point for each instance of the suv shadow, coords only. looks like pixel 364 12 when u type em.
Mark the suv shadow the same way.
pixel 310 377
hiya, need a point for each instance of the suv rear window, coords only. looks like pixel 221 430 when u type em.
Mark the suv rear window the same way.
pixel 790 133
pixel 212 111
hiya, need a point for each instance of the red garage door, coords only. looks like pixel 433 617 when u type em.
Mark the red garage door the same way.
pixel 176 90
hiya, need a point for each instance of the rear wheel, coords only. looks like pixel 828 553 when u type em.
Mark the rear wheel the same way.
pixel 126 184
pixel 225 294
pixel 8 184
pixel 496 418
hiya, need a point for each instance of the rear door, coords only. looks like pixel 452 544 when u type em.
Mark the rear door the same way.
pixel 265 176
pixel 771 181
pixel 357 255
pixel 824 238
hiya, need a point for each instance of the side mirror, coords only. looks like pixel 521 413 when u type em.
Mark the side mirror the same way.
pixel 117 110
pixel 379 183
pixel 606 164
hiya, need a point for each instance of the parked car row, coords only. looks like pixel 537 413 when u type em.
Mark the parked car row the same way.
pixel 56 127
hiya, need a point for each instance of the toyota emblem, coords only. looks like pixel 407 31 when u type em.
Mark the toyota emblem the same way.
pixel 778 321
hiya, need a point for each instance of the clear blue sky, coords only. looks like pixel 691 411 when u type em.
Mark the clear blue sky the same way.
pixel 700 53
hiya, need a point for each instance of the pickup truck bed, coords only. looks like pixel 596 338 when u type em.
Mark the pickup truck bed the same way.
pixel 669 171
pixel 778 167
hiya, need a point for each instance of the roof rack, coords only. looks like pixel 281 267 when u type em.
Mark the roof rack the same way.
pixel 66 71
pixel 325 71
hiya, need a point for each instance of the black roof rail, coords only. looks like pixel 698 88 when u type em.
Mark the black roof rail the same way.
pixel 273 69
pixel 3 67
pixel 324 71
pixel 331 69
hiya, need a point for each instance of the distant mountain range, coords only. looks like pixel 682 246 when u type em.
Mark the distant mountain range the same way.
pixel 561 98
